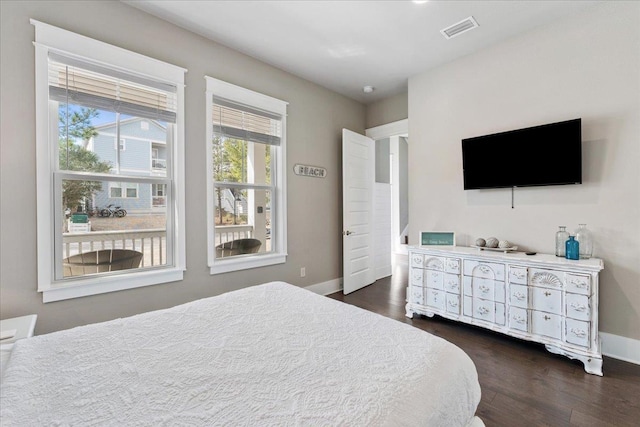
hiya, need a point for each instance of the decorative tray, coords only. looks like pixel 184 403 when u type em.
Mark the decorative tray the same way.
pixel 505 250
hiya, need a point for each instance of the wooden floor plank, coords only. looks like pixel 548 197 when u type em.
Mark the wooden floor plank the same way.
pixel 522 384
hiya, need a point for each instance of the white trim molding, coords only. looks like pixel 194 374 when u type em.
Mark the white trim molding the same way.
pixel 326 288
pixel 399 128
pixel 621 348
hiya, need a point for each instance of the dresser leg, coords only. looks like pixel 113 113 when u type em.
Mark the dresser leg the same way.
pixel 409 311
pixel 592 365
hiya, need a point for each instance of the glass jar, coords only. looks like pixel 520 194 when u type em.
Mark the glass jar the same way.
pixel 572 249
pixel 561 239
pixel 584 237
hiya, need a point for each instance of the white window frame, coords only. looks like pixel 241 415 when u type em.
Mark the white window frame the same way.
pixel 53 39
pixel 257 100
pixel 123 144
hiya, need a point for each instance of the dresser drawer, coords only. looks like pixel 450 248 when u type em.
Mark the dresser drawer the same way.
pixel 434 279
pixel 416 295
pixel 416 260
pixel 578 283
pixel 416 277
pixel 518 275
pixel 518 319
pixel 484 288
pixel 436 299
pixel 548 300
pixel 519 296
pixel 577 332
pixel 452 283
pixel 546 324
pixel 484 310
pixel 546 278
pixel 452 265
pixel 453 303
pixel 434 262
pixel 486 270
pixel 577 306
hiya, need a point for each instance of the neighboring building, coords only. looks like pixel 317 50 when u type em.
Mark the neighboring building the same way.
pixel 142 152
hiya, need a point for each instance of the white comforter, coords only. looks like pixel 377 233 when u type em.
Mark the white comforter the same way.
pixel 273 354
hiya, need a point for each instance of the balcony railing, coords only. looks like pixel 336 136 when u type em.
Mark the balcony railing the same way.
pixel 159 163
pixel 152 243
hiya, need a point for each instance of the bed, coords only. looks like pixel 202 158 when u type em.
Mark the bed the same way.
pixel 267 355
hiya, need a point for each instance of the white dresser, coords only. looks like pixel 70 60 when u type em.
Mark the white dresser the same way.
pixel 541 298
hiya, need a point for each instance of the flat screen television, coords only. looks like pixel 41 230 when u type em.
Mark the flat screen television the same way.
pixel 549 154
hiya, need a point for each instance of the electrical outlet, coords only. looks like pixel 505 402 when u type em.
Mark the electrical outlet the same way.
pixel 303 271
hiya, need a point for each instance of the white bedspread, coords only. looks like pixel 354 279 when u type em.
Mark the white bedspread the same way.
pixel 272 354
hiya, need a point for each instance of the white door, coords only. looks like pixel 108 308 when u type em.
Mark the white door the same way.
pixel 358 178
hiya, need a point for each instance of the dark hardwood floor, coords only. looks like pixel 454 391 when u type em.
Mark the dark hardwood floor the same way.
pixel 522 384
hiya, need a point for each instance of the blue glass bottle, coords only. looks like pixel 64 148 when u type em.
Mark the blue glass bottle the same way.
pixel 572 248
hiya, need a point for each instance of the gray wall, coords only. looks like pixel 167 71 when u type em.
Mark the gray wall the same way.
pixel 388 110
pixel 586 66
pixel 316 117
pixel 383 173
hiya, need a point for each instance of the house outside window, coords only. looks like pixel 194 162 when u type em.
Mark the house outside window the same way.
pixel 246 194
pixel 88 93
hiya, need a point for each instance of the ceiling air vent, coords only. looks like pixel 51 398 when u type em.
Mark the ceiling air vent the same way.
pixel 459 27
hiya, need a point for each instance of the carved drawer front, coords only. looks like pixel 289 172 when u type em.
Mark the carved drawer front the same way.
pixel 452 283
pixel 578 306
pixel 416 295
pixel 453 303
pixel 434 279
pixel 578 283
pixel 434 262
pixel 548 300
pixel 518 319
pixel 486 270
pixel 546 324
pixel 417 260
pixel 484 310
pixel 416 277
pixel 519 296
pixel 484 288
pixel 518 275
pixel 546 278
pixel 436 299
pixel 577 332
pixel 452 265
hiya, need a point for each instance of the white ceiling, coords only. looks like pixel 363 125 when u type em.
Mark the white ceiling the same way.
pixel 345 45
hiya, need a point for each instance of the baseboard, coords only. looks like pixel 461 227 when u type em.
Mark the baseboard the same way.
pixel 620 347
pixel 326 288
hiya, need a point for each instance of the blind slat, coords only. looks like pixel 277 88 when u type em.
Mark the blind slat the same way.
pixel 241 122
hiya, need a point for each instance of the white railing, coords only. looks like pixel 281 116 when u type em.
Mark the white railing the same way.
pixel 152 243
pixel 228 233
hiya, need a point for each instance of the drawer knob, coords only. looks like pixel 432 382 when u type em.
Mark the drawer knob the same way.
pixel 519 296
pixel 547 293
pixel 578 307
pixel 578 332
pixel 547 317
pixel 484 288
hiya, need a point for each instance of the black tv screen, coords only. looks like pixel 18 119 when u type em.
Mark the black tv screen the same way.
pixel 549 154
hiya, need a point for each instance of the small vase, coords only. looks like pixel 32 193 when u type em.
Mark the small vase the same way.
pixel 561 239
pixel 583 236
pixel 572 250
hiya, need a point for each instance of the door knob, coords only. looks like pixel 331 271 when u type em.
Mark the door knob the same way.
pixel 346 233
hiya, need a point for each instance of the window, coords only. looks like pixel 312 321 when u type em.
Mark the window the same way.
pixel 88 96
pixel 246 197
pixel 122 146
pixel 124 190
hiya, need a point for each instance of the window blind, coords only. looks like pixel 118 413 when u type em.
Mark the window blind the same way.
pixel 91 85
pixel 238 121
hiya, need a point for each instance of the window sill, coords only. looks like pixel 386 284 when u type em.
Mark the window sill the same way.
pixel 227 266
pixel 102 285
